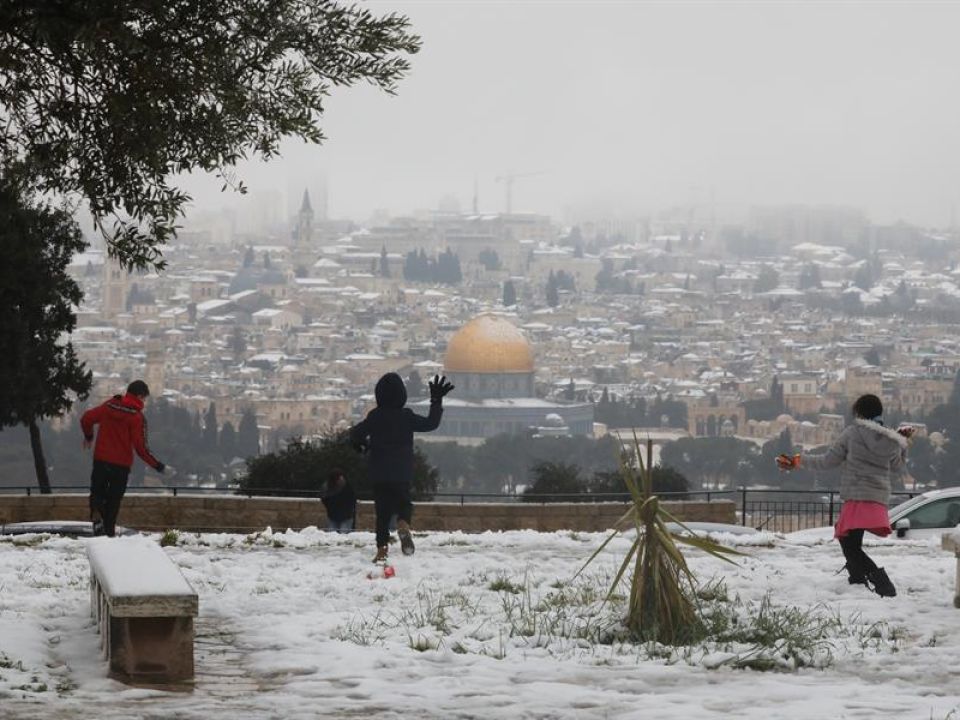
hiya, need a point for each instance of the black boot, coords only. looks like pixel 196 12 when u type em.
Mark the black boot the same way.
pixel 406 538
pixel 97 521
pixel 879 582
pixel 855 575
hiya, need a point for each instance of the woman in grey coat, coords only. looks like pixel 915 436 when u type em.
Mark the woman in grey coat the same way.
pixel 867 453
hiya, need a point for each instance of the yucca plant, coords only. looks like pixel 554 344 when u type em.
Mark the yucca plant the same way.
pixel 662 601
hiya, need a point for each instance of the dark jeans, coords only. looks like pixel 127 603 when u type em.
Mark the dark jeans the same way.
pixel 391 499
pixel 108 483
pixel 858 562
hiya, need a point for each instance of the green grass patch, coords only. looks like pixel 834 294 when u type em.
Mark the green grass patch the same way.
pixel 503 584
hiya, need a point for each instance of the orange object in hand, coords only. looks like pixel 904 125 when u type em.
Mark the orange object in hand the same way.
pixel 788 462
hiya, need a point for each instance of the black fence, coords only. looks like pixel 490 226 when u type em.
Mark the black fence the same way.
pixel 763 509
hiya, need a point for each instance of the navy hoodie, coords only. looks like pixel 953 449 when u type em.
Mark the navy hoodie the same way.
pixel 388 432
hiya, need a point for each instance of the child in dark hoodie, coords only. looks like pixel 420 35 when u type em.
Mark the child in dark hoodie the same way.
pixel 387 432
pixel 867 453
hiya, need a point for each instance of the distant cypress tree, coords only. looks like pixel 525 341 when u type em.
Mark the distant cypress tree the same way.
pixel 489 259
pixel 228 442
pixel 210 430
pixel 238 343
pixel 456 272
pixel 565 281
pixel 248 435
pixel 384 263
pixel 196 432
pixel 410 266
pixel 509 294
pixel 955 392
pixel 423 267
pixel 553 296
pixel 776 395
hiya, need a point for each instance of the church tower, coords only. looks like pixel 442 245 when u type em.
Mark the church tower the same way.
pixel 305 222
pixel 116 287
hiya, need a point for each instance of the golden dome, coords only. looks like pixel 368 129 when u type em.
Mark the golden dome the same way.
pixel 489 344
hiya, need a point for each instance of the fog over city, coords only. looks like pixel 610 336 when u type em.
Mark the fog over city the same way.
pixel 636 106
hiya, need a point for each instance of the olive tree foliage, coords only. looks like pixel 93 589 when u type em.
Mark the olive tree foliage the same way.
pixel 105 101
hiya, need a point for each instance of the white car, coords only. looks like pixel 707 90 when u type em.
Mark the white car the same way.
pixel 927 515
pixel 923 516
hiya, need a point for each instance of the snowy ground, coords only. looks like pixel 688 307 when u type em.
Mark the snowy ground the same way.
pixel 480 626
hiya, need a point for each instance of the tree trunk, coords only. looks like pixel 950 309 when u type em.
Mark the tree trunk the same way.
pixel 39 463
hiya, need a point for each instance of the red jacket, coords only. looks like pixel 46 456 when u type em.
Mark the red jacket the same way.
pixel 123 429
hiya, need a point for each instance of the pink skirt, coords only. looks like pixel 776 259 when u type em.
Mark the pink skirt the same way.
pixel 862 515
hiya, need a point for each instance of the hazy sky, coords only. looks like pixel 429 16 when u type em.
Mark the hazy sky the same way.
pixel 637 105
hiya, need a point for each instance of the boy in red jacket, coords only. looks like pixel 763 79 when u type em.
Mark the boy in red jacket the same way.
pixel 123 429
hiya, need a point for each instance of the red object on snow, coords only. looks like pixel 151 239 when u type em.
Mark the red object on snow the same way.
pixel 387 571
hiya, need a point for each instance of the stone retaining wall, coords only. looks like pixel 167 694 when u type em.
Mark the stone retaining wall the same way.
pixel 232 513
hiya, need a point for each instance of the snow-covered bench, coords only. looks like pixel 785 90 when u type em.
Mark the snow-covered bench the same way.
pixel 144 609
pixel 951 541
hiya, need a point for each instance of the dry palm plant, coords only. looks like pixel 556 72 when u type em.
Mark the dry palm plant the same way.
pixel 663 604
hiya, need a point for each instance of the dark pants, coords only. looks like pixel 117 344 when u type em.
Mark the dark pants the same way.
pixel 108 483
pixel 858 562
pixel 391 499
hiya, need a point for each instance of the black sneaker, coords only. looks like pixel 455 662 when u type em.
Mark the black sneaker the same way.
pixel 879 582
pixel 97 522
pixel 406 542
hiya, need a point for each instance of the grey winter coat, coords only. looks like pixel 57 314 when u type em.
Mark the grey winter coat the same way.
pixel 868 452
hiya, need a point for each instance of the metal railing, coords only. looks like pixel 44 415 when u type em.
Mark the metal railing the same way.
pixel 764 509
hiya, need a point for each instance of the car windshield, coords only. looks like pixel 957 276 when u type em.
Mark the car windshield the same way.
pixel 899 510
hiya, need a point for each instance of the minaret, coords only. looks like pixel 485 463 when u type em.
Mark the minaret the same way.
pixel 305 222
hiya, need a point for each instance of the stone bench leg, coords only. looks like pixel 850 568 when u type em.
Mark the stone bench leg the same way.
pixel 100 613
pixel 956 585
pixel 151 649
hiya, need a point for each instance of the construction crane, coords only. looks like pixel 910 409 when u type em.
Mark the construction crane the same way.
pixel 508 178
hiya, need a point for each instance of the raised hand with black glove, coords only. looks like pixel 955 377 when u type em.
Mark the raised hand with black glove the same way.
pixel 439 387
